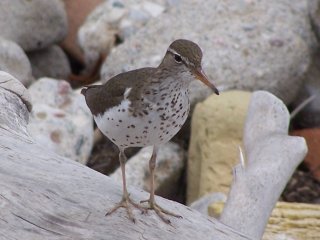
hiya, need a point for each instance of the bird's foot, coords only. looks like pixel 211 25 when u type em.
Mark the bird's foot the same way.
pixel 125 203
pixel 160 211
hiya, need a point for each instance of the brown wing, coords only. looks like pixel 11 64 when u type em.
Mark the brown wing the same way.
pixel 101 97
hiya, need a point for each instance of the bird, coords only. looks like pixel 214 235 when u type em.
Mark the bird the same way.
pixel 147 107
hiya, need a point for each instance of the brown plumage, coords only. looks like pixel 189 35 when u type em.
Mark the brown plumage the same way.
pixel 147 106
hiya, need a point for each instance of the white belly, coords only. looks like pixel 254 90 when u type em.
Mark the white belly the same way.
pixel 127 131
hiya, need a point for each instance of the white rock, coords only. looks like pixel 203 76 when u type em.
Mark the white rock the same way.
pixel 153 9
pixel 114 19
pixel 33 24
pixel 170 162
pixel 246 45
pixel 60 119
pixel 14 61
pixel 97 35
pixel 50 62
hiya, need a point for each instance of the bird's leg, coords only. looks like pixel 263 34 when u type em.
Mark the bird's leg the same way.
pixel 125 201
pixel 152 204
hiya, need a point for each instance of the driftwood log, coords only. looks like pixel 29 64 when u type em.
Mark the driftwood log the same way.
pixel 46 196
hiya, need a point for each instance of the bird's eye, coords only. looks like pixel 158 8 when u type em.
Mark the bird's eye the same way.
pixel 177 58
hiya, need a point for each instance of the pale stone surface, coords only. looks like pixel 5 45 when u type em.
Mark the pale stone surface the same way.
pixel 33 24
pixel 60 120
pixel 77 11
pixel 98 33
pixel 50 62
pixel 113 19
pixel 216 134
pixel 14 61
pixel 270 158
pixel 247 45
pixel 169 166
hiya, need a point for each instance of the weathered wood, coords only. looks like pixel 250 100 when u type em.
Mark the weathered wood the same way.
pixel 298 221
pixel 271 158
pixel 46 196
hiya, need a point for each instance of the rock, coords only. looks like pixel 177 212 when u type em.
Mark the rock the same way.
pixel 246 45
pixel 309 116
pixel 216 134
pixel 170 163
pixel 111 20
pixel 98 34
pixel 312 160
pixel 60 120
pixel 77 11
pixel 14 61
pixel 33 24
pixel 50 62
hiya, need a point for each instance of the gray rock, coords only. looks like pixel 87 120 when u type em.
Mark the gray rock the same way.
pixel 246 45
pixel 14 61
pixel 60 120
pixel 33 24
pixel 50 62
pixel 170 162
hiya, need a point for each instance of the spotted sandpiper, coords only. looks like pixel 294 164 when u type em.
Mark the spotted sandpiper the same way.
pixel 145 107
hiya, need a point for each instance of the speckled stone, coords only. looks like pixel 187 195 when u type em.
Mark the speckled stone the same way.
pixel 60 120
pixel 115 19
pixel 246 45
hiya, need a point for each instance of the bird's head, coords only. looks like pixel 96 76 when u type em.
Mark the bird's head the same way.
pixel 185 56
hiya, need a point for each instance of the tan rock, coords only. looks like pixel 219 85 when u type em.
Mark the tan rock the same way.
pixel 216 134
pixel 292 221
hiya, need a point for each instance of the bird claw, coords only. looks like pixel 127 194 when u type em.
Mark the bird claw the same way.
pixel 125 203
pixel 161 212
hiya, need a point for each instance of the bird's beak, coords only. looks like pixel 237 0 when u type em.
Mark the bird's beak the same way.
pixel 199 73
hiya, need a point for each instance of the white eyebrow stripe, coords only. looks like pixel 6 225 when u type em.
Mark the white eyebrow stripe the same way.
pixel 173 51
pixel 183 58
